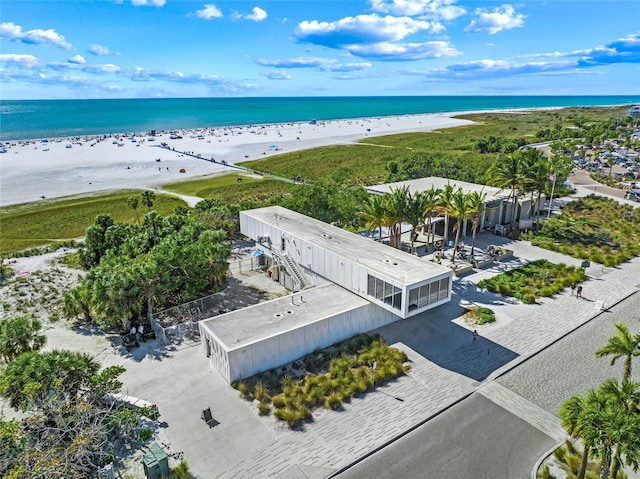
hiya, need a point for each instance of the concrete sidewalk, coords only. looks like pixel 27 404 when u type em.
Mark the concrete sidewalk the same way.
pixel 446 366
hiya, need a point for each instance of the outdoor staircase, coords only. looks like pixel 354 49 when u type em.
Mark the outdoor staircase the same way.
pixel 293 269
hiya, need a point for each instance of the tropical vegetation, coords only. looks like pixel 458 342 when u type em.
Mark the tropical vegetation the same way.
pixel 164 261
pixel 593 228
pixel 539 278
pixel 606 420
pixel 67 429
pixel 327 378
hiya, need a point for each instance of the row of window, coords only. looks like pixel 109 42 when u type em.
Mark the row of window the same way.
pixel 385 292
pixel 429 293
pixel 419 297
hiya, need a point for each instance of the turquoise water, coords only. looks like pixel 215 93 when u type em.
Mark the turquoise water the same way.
pixel 27 119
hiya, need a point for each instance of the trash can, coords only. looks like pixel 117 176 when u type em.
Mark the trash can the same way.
pixel 155 462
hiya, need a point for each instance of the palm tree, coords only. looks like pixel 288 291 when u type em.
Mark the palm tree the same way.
pixel 572 414
pixel 132 202
pixel 148 198
pixel 476 203
pixel 536 174
pixel 623 344
pixel 20 335
pixel 507 173
pixel 444 207
pixel 373 212
pixel 396 206
pixel 460 210
pixel 415 212
pixel 431 199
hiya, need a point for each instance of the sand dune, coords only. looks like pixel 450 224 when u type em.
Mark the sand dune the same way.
pixel 31 170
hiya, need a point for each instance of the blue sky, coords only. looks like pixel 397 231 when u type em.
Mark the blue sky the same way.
pixel 212 48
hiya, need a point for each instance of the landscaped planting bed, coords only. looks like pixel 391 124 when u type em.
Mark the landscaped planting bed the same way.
pixel 540 278
pixel 594 228
pixel 325 378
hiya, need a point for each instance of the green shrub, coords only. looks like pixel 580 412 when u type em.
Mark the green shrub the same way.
pixel 333 401
pixel 181 471
pixel 260 392
pixel 529 299
pixel 264 409
pixel 145 434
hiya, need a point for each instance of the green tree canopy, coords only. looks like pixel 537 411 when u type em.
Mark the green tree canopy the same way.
pixel 20 335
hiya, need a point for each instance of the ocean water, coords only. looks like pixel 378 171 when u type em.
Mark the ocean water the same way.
pixel 32 119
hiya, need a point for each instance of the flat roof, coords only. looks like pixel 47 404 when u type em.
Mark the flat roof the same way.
pixel 404 268
pixel 239 328
pixel 423 184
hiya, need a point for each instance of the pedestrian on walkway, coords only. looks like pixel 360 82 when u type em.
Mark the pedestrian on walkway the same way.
pixel 475 336
pixel 573 288
pixel 579 291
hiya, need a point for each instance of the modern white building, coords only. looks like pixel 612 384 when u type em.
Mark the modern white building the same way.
pixel 634 112
pixel 345 284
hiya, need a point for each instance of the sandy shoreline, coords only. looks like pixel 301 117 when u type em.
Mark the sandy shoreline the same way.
pixel 32 169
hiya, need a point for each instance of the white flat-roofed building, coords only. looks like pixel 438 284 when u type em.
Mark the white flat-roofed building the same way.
pixel 634 112
pixel 497 208
pixel 242 343
pixel 303 248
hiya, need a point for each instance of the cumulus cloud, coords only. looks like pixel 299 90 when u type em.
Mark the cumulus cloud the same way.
pixel 79 59
pixel 14 32
pixel 148 3
pixel 623 50
pixel 101 50
pixel 404 51
pixel 208 12
pixel 362 29
pixel 257 15
pixel 21 61
pixel 277 75
pixel 434 9
pixel 96 69
pixel 501 18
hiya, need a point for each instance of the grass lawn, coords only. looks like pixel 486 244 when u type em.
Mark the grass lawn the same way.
pixel 593 228
pixel 540 278
pixel 36 224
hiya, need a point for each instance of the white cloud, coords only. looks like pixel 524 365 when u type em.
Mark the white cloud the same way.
pixel 277 75
pixel 257 16
pixel 208 12
pixel 14 32
pixel 101 50
pixel 298 62
pixel 148 3
pixel 434 9
pixel 501 18
pixel 22 61
pixel 404 51
pixel 78 59
pixel 361 29
pixel 346 67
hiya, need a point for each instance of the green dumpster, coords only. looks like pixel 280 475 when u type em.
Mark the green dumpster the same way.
pixel 155 462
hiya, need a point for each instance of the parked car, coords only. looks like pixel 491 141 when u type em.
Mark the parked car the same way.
pixel 633 195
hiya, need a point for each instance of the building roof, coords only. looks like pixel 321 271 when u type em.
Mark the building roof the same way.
pixel 404 268
pixel 239 328
pixel 423 184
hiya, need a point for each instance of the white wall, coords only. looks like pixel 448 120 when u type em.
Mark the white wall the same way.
pixel 293 344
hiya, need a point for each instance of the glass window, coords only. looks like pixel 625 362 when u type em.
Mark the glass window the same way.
pixel 413 298
pixel 433 292
pixel 371 285
pixel 444 289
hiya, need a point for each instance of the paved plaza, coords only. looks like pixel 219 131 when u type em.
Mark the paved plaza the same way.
pixel 446 367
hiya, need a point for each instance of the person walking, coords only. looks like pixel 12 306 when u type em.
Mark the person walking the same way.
pixel 475 336
pixel 579 292
pixel 573 288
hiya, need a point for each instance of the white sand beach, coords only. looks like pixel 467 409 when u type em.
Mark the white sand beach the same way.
pixel 34 170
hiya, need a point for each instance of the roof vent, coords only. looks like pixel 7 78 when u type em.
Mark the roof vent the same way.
pixel 288 311
pixel 277 315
